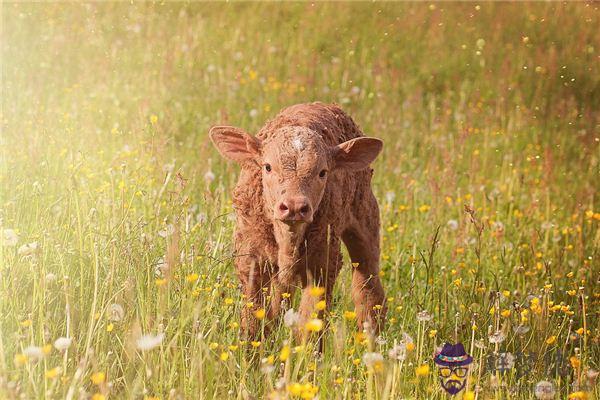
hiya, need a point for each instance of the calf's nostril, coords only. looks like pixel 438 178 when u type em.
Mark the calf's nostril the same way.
pixel 304 209
pixel 283 207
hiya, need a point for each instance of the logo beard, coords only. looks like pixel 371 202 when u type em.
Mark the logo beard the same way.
pixel 453 386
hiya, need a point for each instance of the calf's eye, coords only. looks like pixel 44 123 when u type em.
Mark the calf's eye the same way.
pixel 322 174
pixel 268 167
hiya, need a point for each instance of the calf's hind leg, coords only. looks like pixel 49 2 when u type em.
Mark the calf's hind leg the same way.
pixel 362 241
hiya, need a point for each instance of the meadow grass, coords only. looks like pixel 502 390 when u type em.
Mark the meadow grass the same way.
pixel 117 222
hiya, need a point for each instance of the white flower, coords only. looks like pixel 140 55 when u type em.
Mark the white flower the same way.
pixel 398 352
pixel 10 238
pixel 161 267
pixel 115 312
pixel 168 231
pixel 390 196
pixel 149 341
pixel 253 113
pixel 33 352
pixel 372 359
pixel 544 390
pixel 27 249
pixel 209 176
pixel 266 367
pixel 62 343
pixel 452 224
pixel 505 362
pixel 50 277
pixel 497 337
pixel 291 318
pixel 424 316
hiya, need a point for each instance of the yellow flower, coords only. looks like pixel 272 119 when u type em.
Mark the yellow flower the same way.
pixel 423 370
pixel 192 277
pixel 110 327
pixel 317 291
pixel 160 282
pixel 98 377
pixel 255 344
pixel 46 349
pixel 20 359
pixel 321 305
pixel 52 373
pixel 578 396
pixel 228 301
pixel 410 346
pixel 432 333
pixel 349 315
pixel 575 362
pixel 260 313
pixel 572 292
pixel 26 323
pixel 505 313
pixel 98 396
pixel 314 325
pixel 153 119
pixel 286 295
pixel 232 347
pixel 224 356
pixel 551 339
pixel 469 395
pixel 285 353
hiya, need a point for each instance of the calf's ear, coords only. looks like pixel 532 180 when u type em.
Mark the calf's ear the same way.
pixel 357 153
pixel 235 144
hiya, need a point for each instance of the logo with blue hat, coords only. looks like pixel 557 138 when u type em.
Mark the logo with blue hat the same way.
pixel 453 366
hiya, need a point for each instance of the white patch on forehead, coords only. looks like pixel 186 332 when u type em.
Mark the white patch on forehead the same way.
pixel 298 144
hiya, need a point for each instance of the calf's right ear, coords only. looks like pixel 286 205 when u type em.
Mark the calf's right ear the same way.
pixel 235 144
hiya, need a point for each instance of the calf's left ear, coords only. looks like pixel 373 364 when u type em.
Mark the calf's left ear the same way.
pixel 357 153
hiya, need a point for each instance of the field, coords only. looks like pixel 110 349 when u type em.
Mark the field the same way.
pixel 116 273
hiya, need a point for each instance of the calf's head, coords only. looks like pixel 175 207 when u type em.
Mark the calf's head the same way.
pixel 296 164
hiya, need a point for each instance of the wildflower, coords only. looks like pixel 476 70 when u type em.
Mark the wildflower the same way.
pixel 551 339
pixel 398 352
pixel 27 249
pixel 255 344
pixel 153 119
pixel 33 353
pixel 469 395
pixel 10 238
pixel 424 208
pixel 575 362
pixel 424 316
pixel 209 176
pixel 349 315
pixel 52 373
pixel 115 312
pixel 291 318
pixel 191 278
pixel 253 113
pixel 160 282
pixel 452 224
pixel 506 361
pixel 98 378
pixel 432 333
pixel 224 356
pixel 314 325
pixel 260 313
pixel 373 361
pixel 62 343
pixel 317 291
pixel 285 353
pixel 149 341
pixel 544 390
pixel 98 396
pixel 505 313
pixel 20 359
pixel 578 396
pixel 110 327
pixel 497 337
pixel 422 370
pixel 321 305
pixel 213 345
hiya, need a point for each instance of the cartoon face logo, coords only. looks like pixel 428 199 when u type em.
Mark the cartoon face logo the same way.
pixel 453 366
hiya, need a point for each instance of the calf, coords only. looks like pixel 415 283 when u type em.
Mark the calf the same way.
pixel 304 187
